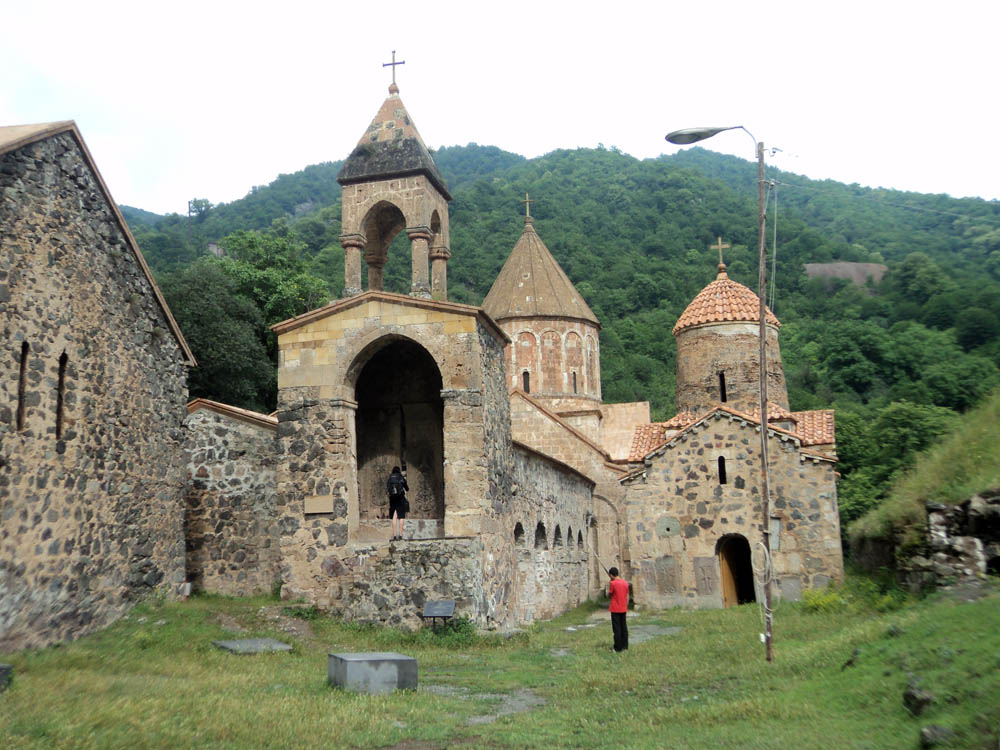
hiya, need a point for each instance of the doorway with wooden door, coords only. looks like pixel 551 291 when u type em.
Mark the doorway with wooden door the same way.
pixel 735 570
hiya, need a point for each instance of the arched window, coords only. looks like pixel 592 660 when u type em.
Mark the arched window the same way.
pixel 518 534
pixel 557 540
pixel 722 470
pixel 579 539
pixel 722 387
pixel 22 380
pixel 574 382
pixel 60 395
pixel 541 542
pixel 526 381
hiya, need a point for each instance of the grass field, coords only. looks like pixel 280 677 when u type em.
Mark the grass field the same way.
pixel 154 680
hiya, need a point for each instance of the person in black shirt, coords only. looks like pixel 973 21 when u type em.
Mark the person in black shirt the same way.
pixel 397 488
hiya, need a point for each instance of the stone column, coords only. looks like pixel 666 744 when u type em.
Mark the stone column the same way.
pixel 354 245
pixel 375 266
pixel 439 272
pixel 419 239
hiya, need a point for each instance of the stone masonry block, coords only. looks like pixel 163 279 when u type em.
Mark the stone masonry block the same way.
pixel 373 673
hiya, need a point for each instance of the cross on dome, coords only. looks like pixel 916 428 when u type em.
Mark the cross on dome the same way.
pixel 720 247
pixel 393 88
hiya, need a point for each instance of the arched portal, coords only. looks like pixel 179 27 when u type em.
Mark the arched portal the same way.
pixel 381 224
pixel 735 570
pixel 400 422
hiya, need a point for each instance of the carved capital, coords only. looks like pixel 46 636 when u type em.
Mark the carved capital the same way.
pixel 440 252
pixel 419 233
pixel 352 240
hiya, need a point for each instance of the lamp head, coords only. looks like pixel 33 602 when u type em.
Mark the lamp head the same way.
pixel 693 135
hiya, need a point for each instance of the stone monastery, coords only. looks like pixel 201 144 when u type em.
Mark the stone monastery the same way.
pixel 524 484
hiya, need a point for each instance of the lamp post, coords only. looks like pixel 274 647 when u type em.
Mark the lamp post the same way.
pixel 693 135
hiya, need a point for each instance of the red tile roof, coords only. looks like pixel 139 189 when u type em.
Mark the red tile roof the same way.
pixel 722 301
pixel 811 428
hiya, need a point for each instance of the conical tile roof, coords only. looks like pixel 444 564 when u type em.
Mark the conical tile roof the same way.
pixel 391 147
pixel 531 283
pixel 723 301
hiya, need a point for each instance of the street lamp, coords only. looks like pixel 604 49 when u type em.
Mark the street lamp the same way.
pixel 693 135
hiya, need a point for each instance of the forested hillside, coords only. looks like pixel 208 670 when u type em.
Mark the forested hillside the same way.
pixel 898 360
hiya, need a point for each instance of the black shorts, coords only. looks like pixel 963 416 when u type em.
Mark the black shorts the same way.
pixel 397 507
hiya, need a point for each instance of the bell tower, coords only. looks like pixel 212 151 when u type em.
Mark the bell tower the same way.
pixel 391 184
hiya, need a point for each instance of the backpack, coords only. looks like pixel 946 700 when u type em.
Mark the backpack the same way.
pixel 396 486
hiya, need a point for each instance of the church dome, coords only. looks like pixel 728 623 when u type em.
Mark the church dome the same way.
pixel 723 301
pixel 532 284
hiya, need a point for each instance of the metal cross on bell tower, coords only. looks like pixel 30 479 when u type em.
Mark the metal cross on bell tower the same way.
pixel 393 65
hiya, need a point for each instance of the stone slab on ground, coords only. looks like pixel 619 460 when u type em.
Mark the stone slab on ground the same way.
pixel 374 673
pixel 252 645
pixel 6 676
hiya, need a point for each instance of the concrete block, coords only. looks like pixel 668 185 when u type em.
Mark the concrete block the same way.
pixel 373 673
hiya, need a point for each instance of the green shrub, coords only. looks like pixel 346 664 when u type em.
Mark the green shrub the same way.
pixel 823 601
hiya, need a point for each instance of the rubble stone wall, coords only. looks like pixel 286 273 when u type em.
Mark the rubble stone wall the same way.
pixel 551 504
pixel 678 512
pixel 90 521
pixel 963 544
pixel 231 524
pixel 532 427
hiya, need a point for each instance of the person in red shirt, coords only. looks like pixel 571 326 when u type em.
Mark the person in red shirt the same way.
pixel 618 608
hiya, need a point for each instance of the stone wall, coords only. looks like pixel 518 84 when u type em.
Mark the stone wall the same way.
pixel 92 519
pixel 549 532
pixel 734 350
pixel 678 512
pixel 389 584
pixel 231 524
pixel 534 426
pixel 962 545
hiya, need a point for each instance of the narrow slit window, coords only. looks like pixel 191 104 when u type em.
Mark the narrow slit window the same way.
pixel 22 379
pixel 574 382
pixel 722 387
pixel 526 381
pixel 722 470
pixel 60 394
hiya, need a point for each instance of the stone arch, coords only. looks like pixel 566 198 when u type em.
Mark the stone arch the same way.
pixel 526 356
pixel 552 369
pixel 399 422
pixel 541 541
pixel 518 534
pixel 579 539
pixel 592 383
pixel 574 357
pixel 735 570
pixel 557 539
pixel 382 222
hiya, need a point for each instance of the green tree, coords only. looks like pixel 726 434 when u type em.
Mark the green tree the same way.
pixel 224 330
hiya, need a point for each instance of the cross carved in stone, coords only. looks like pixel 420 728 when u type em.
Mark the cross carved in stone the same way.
pixel 707 579
pixel 527 206
pixel 393 65
pixel 720 247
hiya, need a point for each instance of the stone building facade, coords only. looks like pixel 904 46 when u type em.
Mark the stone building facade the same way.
pixel 230 517
pixel 92 392
pixel 524 485
pixel 694 510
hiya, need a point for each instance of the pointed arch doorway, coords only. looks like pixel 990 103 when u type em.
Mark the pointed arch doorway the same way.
pixel 735 570
pixel 400 422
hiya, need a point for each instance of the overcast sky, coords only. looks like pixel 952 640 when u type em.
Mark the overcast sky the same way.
pixel 205 99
